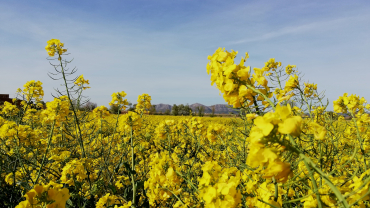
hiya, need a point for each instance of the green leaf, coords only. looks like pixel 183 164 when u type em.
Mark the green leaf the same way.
pixel 113 188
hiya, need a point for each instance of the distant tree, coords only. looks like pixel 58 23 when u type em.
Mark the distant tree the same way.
pixel 89 106
pixel 114 109
pixel 131 107
pixel 152 110
pixel 187 110
pixel 181 109
pixel 200 110
pixel 213 111
pixel 175 110
pixel 167 112
pixel 184 109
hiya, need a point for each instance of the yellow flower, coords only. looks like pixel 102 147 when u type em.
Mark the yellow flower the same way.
pixel 291 126
pixel 310 201
pixel 80 81
pixel 259 155
pixel 318 130
pixel 279 170
pixel 243 73
pixel 56 110
pixel 283 111
pixel 101 111
pixel 251 116
pixel 108 201
pixel 51 195
pixel 33 90
pixel 55 46
pixel 352 103
pixel 264 124
pixel 117 99
pixel 9 109
pixel 218 186
pixel 143 103
pixel 309 89
pixel 292 83
pixel 271 64
pixel 289 68
pixel 131 119
pixel 128 205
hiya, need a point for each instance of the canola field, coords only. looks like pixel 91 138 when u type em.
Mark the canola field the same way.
pixel 285 149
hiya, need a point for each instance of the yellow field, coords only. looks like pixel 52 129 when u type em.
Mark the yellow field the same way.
pixel 61 156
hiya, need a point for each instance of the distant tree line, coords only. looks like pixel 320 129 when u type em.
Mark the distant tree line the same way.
pixel 178 110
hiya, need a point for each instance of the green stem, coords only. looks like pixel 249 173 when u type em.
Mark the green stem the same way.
pixel 73 109
pixel 359 139
pixel 263 95
pixel 132 171
pixel 316 190
pixel 276 189
pixel 46 152
pixel 178 198
pixel 189 182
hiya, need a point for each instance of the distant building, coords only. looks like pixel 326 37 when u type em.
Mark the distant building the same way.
pixel 5 97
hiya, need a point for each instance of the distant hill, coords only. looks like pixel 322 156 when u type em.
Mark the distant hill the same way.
pixel 162 107
pixel 207 109
pixel 219 108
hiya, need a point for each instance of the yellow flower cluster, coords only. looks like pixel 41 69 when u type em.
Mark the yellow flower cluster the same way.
pixel 289 69
pixel 164 128
pixel 81 81
pixel 143 103
pixel 283 95
pixel 265 127
pixel 9 109
pixel 213 131
pixel 52 195
pixel 55 46
pixel 75 170
pixel 101 112
pixel 117 99
pixel 56 110
pixel 224 72
pixel 310 89
pixel 292 83
pixel 163 180
pixel 318 131
pixel 239 86
pixel 271 64
pixel 130 120
pixel 218 186
pixel 352 104
pixel 33 90
pixel 108 201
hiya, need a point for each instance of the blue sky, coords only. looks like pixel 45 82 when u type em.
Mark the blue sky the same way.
pixel 161 47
